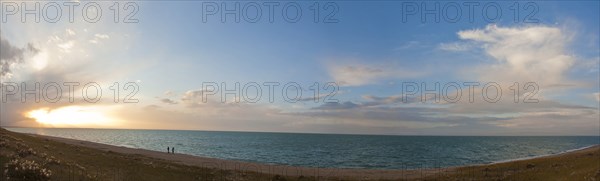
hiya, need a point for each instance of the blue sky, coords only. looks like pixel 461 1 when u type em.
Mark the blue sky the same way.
pixel 369 53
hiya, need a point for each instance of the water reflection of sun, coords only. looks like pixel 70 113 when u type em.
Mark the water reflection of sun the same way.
pixel 72 116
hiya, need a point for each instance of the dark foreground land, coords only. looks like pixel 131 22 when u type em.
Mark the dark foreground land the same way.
pixel 35 157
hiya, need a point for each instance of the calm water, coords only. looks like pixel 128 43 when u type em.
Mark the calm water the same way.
pixel 324 150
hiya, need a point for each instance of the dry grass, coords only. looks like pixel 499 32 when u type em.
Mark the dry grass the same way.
pixel 573 166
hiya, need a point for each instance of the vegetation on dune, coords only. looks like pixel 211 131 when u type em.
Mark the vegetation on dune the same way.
pixel 582 165
pixel 21 169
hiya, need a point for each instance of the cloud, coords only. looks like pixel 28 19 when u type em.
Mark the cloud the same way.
pixel 371 101
pixel 168 101
pixel 98 37
pixel 60 56
pixel 415 118
pixel 455 46
pixel 523 54
pixel 336 105
pixel 70 32
pixel 12 55
pixel 556 122
pixel 322 97
pixel 362 74
pixel 66 47
pixel 537 54
pixel 379 100
pixel 411 45
pixel 101 36
pixel 503 118
pixel 169 93
pixel 192 98
pixel 151 107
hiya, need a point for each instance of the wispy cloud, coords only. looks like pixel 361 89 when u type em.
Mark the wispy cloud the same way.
pixel 168 101
pixel 411 45
pixel 455 46
pixel 364 74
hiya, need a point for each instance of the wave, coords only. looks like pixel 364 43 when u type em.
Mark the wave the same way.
pixel 544 155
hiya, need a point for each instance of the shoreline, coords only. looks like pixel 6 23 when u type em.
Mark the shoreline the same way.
pixel 493 162
pixel 97 161
pixel 234 165
pixel 288 170
pixel 542 156
pixel 263 163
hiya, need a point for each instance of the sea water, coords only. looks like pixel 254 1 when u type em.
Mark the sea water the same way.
pixel 332 150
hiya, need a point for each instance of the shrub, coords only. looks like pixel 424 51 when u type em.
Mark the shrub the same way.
pixel 52 161
pixel 4 144
pixel 24 152
pixel 19 169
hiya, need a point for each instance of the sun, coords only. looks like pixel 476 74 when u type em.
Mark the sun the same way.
pixel 72 116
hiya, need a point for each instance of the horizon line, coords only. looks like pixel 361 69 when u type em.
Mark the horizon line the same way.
pixel 283 132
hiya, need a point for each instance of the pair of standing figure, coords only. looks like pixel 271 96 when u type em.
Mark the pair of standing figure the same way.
pixel 172 150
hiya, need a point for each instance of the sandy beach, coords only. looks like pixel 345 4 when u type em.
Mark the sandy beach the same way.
pixel 237 170
pixel 292 171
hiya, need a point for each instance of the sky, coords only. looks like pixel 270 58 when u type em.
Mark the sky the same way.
pixel 348 67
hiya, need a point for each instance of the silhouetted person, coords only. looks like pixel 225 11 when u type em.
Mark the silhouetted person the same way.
pixel 168 149
pixel 173 150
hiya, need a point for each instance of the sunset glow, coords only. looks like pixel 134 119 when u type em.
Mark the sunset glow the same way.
pixel 72 116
